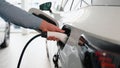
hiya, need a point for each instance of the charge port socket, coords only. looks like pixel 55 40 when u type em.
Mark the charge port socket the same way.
pixel 67 30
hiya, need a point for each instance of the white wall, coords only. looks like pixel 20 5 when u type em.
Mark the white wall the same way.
pixel 106 2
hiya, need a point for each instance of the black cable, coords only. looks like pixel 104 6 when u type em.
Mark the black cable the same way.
pixel 22 53
pixel 56 58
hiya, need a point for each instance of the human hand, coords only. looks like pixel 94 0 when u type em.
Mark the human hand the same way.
pixel 45 26
pixel 52 38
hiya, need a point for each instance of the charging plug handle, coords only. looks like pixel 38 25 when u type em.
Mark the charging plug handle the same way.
pixel 61 36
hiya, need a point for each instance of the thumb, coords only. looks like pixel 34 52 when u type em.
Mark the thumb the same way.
pixel 44 30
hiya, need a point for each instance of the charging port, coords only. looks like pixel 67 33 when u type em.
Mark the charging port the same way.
pixel 67 30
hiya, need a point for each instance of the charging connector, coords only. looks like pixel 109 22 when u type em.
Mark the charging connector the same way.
pixel 61 36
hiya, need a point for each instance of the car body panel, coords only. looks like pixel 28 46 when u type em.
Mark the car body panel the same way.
pixel 2 30
pixel 4 33
pixel 101 21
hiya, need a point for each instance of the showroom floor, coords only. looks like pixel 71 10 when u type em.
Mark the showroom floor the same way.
pixel 35 55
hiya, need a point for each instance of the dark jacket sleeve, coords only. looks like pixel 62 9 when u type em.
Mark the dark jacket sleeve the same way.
pixel 18 16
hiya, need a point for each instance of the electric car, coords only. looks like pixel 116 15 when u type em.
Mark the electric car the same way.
pixel 93 36
pixel 94 40
pixel 4 33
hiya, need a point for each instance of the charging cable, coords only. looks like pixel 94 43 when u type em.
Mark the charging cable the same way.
pixel 61 36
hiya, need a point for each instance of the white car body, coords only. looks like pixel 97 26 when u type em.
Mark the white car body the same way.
pixel 2 30
pixel 101 21
pixel 4 33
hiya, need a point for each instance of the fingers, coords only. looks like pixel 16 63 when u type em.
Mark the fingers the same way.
pixel 52 38
pixel 44 30
pixel 59 30
pixel 45 26
pixel 54 28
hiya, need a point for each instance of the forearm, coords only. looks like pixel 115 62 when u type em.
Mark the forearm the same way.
pixel 18 16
